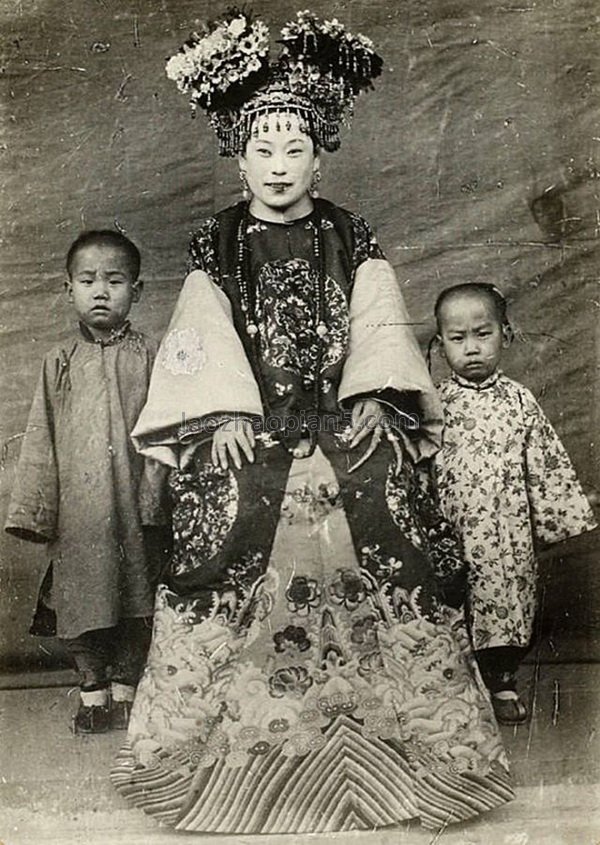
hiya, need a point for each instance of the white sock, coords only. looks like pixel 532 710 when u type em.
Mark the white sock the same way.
pixel 122 692
pixel 506 695
pixel 94 698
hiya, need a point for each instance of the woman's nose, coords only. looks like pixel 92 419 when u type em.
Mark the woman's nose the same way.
pixel 278 164
pixel 471 345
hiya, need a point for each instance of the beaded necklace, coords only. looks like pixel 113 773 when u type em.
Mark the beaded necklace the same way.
pixel 248 306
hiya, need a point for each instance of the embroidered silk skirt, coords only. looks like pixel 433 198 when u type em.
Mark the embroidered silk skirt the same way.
pixel 304 675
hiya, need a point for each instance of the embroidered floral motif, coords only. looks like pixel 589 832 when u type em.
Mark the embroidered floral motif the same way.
pixel 365 242
pixel 413 684
pixel 338 703
pixel 257 226
pixel 287 320
pixel 205 510
pixel 283 389
pixel 319 504
pixel 401 507
pixel 202 254
pixel 182 352
pixel 364 631
pixel 291 679
pixel 303 594
pixel 369 664
pixel 406 604
pixel 291 639
pixel 348 590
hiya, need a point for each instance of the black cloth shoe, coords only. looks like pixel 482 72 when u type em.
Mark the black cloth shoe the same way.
pixel 119 715
pixel 93 719
pixel 509 711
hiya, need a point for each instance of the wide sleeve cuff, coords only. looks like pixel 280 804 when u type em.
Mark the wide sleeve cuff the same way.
pixel 385 361
pixel 201 372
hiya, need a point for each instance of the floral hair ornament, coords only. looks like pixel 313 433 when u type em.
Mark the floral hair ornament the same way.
pixel 319 73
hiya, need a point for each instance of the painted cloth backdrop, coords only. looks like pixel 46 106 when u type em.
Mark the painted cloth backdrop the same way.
pixel 476 158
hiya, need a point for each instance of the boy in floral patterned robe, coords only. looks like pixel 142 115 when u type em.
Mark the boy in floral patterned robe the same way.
pixel 506 484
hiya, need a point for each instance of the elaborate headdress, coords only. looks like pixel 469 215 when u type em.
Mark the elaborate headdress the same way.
pixel 319 72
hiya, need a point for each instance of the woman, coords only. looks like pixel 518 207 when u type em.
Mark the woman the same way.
pixel 306 673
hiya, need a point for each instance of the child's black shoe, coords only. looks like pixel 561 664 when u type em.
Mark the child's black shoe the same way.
pixel 119 715
pixel 91 719
pixel 510 711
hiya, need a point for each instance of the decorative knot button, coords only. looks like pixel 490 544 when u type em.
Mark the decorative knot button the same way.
pixel 251 329
pixel 308 383
pixel 322 330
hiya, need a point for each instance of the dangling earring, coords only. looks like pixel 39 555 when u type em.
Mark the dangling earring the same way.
pixel 245 186
pixel 314 185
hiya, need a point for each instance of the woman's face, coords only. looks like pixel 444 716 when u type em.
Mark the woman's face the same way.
pixel 279 164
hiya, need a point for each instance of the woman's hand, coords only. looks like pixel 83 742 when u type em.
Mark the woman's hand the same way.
pixel 232 439
pixel 367 419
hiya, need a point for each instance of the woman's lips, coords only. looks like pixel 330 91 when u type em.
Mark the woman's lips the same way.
pixel 278 187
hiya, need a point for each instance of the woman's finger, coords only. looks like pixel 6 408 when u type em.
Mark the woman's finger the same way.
pixel 234 451
pixel 357 411
pixel 375 440
pixel 357 421
pixel 222 455
pixel 397 450
pixel 364 426
pixel 249 431
pixel 214 456
pixel 223 462
pixel 246 446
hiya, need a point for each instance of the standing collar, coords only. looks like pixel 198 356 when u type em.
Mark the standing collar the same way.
pixel 116 336
pixel 490 381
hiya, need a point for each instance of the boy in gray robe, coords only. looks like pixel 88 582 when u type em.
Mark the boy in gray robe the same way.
pixel 83 489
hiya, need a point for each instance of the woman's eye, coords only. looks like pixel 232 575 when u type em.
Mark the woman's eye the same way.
pixel 264 152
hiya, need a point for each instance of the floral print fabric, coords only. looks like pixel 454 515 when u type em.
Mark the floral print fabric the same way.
pixel 287 321
pixel 333 642
pixel 506 483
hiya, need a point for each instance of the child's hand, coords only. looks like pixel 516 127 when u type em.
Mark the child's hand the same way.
pixel 230 440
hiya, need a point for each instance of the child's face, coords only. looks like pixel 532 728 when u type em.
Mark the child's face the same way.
pixel 102 288
pixel 471 336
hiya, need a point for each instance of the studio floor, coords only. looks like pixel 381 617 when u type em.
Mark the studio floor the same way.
pixel 54 786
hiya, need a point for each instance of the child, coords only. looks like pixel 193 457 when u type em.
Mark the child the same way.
pixel 506 483
pixel 82 488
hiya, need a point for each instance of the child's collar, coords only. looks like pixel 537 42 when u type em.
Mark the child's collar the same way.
pixel 116 336
pixel 490 381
